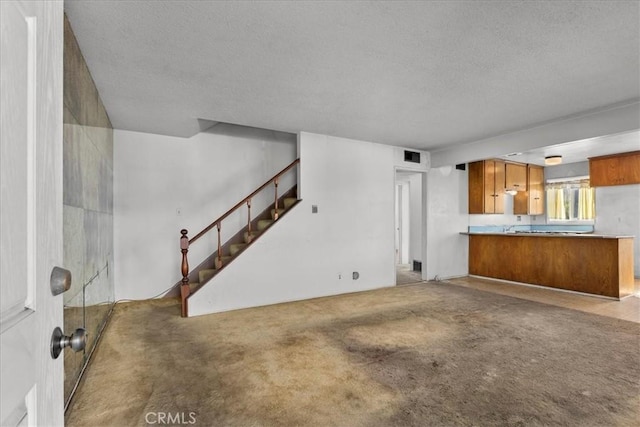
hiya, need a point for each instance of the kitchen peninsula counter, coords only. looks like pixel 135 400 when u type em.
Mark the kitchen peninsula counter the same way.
pixel 592 263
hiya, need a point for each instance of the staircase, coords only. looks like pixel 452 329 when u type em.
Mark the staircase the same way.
pixel 235 249
pixel 195 279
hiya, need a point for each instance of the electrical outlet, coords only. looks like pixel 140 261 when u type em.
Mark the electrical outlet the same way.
pixel 518 218
pixel 339 276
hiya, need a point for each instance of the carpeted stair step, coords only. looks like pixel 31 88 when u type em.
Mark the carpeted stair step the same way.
pixel 254 234
pixel 289 201
pixel 280 212
pixel 263 224
pixel 193 286
pixel 204 275
pixel 225 260
pixel 236 247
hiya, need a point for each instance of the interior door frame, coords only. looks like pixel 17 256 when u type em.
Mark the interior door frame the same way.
pixel 423 217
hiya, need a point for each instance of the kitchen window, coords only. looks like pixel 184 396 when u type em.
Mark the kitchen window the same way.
pixel 570 199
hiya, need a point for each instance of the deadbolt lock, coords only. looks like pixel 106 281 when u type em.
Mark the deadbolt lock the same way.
pixel 77 341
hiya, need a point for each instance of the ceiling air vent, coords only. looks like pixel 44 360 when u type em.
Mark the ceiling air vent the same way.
pixel 411 156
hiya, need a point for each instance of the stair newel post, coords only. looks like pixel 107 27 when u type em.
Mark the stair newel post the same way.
pixel 219 258
pixel 249 237
pixel 275 215
pixel 184 288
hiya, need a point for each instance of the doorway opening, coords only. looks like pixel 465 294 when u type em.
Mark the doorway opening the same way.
pixel 409 226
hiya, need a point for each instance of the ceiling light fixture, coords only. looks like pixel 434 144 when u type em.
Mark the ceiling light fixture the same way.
pixel 552 160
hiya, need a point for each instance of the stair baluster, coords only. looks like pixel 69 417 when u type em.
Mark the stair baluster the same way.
pixel 275 216
pixel 184 288
pixel 219 259
pixel 249 237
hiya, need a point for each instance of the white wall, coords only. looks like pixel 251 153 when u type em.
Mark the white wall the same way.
pixel 567 170
pixel 618 213
pixel 447 215
pixel 163 184
pixel 308 255
pixel 507 218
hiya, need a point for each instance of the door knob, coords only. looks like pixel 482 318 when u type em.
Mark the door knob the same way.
pixel 76 341
pixel 60 280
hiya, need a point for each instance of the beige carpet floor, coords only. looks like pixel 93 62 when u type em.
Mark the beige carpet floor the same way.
pixel 405 275
pixel 418 355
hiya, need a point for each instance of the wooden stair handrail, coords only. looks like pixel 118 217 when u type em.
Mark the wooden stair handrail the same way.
pixel 243 201
pixel 185 289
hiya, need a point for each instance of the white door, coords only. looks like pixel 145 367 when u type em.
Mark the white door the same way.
pixel 31 42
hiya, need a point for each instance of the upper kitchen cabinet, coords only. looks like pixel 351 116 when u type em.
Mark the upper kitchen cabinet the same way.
pixel 486 187
pixel 536 189
pixel 531 202
pixel 516 176
pixel 616 169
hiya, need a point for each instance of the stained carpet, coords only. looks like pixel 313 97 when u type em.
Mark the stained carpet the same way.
pixel 418 355
pixel 405 275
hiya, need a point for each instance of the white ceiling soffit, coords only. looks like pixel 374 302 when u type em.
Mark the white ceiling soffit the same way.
pixel 578 151
pixel 416 74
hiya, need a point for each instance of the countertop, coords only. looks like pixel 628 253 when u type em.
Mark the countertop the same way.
pixel 548 234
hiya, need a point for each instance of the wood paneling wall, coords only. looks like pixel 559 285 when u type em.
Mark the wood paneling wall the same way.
pixel 601 266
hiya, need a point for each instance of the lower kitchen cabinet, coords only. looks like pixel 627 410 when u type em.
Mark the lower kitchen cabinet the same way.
pixel 595 264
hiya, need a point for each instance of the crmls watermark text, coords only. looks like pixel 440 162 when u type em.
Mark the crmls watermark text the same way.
pixel 170 418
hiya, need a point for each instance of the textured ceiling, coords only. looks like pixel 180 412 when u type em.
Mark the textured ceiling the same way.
pixel 416 74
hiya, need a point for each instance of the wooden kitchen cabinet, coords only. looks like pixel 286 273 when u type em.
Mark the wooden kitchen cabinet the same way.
pixel 535 188
pixel 516 176
pixel 486 187
pixel 616 169
pixel 531 202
